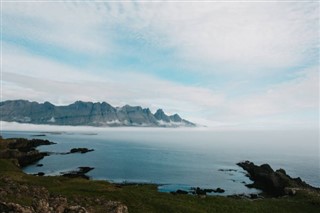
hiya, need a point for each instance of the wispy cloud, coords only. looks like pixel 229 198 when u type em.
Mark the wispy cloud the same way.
pixel 48 80
pixel 215 62
pixel 301 93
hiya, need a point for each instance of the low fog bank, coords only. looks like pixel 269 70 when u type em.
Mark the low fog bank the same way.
pixel 14 126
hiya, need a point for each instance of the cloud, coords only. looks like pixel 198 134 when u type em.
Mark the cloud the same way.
pixel 199 104
pixel 301 93
pixel 57 25
pixel 235 36
pixel 294 103
pixel 18 61
pixel 42 80
pixel 239 36
pixel 255 62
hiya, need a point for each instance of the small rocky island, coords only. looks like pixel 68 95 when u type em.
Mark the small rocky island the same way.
pixel 80 150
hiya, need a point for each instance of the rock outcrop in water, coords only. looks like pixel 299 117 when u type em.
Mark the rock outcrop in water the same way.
pixel 274 183
pixel 197 191
pixel 80 173
pixel 87 113
pixel 80 150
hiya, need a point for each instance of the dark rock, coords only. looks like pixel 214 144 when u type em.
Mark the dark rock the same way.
pixel 25 145
pixel 282 171
pixel 5 207
pixel 270 181
pixel 208 190
pixel 80 173
pixel 30 158
pixel 219 190
pixel 199 191
pixel 24 158
pixel 179 191
pixel 253 196
pixel 81 150
pixel 39 165
pixel 23 150
pixel 13 207
pixel 41 174
pixel 227 170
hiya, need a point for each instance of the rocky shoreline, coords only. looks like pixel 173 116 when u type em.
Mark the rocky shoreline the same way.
pixel 23 152
pixel 273 183
pixel 198 191
pixel 79 173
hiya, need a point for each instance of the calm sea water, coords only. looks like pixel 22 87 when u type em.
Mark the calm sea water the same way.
pixel 180 159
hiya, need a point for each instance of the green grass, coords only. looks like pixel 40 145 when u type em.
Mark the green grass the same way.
pixel 146 198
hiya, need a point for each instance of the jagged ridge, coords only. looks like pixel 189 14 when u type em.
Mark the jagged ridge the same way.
pixel 86 113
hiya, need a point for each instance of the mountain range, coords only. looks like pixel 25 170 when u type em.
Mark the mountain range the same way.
pixel 87 114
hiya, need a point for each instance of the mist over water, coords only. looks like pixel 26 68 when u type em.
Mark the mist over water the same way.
pixel 179 158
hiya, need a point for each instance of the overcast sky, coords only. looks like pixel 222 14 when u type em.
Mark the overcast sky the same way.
pixel 224 64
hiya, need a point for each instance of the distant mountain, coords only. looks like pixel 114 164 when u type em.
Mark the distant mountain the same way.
pixel 87 114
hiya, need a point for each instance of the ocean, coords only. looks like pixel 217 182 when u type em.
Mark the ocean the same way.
pixel 179 158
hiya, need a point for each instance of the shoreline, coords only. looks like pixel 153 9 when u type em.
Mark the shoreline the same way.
pixel 60 194
pixel 29 146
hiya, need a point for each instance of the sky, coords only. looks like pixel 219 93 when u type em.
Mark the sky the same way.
pixel 224 64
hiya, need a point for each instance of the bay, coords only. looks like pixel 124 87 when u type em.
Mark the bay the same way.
pixel 179 158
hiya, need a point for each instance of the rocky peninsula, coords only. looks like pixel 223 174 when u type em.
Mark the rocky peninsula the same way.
pixel 23 150
pixel 274 183
pixel 18 153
